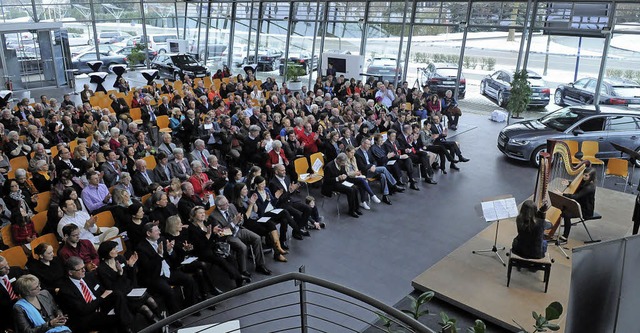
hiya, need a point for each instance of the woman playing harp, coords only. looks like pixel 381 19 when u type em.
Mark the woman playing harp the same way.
pixel 558 174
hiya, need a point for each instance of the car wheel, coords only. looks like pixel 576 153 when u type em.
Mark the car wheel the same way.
pixel 176 76
pixel 90 42
pixel 482 88
pixel 535 156
pixel 500 99
pixel 162 51
pixel 558 98
pixel 637 162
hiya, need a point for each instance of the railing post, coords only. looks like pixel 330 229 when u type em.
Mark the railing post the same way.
pixel 303 303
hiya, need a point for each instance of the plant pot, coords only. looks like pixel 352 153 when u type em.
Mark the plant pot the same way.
pixel 295 85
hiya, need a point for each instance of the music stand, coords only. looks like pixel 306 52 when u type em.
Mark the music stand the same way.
pixel 496 209
pixel 633 157
pixel 150 75
pixel 568 207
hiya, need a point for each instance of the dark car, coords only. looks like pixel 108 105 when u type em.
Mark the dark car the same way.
pixel 175 66
pixel 441 77
pixel 126 51
pixel 268 60
pixel 385 68
pixel 615 91
pixel 304 59
pixel 79 62
pixel 604 124
pixel 498 87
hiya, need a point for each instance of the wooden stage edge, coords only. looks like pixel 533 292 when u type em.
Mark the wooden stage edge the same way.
pixel 477 283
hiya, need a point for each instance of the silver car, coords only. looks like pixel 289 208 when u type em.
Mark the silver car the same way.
pixel 604 124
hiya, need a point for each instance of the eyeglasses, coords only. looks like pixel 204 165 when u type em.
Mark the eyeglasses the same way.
pixel 81 269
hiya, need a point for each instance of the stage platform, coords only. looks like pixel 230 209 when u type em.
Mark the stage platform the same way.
pixel 478 282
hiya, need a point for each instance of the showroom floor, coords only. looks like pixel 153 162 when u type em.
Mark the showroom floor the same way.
pixel 381 252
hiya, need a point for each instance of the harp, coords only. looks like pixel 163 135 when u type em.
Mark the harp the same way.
pixel 556 173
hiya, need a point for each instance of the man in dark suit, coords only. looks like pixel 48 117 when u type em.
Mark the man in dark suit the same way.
pixel 111 169
pixel 189 200
pixel 392 148
pixel 367 166
pixel 226 216
pixel 405 140
pixel 65 162
pixel 334 177
pixel 156 258
pixel 282 189
pixel 162 172
pixel 141 179
pixel 439 134
pixel 88 304
pixel 253 148
pixel 167 88
pixel 8 295
pixel 164 108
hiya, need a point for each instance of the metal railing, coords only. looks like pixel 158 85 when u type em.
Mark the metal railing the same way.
pixel 310 304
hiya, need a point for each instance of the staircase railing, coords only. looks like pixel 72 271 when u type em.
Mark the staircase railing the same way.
pixel 311 304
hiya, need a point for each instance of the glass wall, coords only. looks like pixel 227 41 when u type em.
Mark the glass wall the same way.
pixel 395 38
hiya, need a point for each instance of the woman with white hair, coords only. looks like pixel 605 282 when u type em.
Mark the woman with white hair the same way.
pixel 16 146
pixel 41 178
pixel 200 180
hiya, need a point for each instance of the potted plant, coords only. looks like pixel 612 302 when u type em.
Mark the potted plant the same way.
pixel 138 55
pixel 292 75
pixel 520 94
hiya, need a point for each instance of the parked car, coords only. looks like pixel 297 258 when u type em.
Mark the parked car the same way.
pixel 102 48
pixel 304 59
pixel 79 62
pixel 126 51
pixel 175 66
pixel 268 60
pixel 615 91
pixel 215 52
pixel 385 68
pixel 441 77
pixel 604 124
pixel 79 39
pixel 106 37
pixel 239 53
pixel 498 87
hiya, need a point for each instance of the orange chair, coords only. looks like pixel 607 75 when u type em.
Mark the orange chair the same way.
pixel 151 162
pixel 54 151
pixel 317 157
pixel 163 124
pixel 145 198
pixel 617 168
pixel 50 239
pixel 44 198
pixel 302 166
pixel 73 144
pixel 136 115
pixel 105 219
pixel 15 256
pixel 573 149
pixel 590 149
pixel 20 162
pixel 7 238
pixel 39 221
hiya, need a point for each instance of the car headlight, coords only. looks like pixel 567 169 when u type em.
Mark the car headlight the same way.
pixel 188 72
pixel 517 142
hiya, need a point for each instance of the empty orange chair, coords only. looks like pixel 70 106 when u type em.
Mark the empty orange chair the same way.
pixel 15 256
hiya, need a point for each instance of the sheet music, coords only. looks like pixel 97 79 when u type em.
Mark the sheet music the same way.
pixel 277 211
pixel 499 209
pixel 347 184
pixel 304 176
pixel 391 162
pixel 316 166
pixel 137 292
pixel 488 212
pixel 264 219
pixel 188 260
